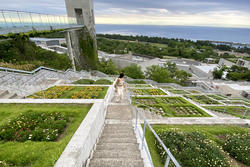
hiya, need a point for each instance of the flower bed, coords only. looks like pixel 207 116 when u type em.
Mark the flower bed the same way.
pixel 202 99
pixel 169 106
pixel 71 92
pixel 197 145
pixel 148 92
pixel 37 140
pixel 237 111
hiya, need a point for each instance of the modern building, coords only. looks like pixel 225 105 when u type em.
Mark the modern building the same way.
pixel 243 63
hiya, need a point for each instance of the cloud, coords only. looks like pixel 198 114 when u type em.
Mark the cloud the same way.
pixel 228 13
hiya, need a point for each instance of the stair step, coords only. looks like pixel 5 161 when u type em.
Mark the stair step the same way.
pixel 117 162
pixel 117 154
pixel 114 131
pixel 120 135
pixel 117 140
pixel 118 146
pixel 118 126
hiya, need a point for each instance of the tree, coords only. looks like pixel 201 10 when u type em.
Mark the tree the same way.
pixel 217 73
pixel 107 67
pixel 134 71
pixel 158 74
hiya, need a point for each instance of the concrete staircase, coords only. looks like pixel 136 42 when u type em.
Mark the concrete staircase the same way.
pixel 117 146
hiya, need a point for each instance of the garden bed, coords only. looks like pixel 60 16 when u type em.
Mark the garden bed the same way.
pixel 139 86
pixel 36 134
pixel 236 102
pixel 72 92
pixel 177 91
pixel 91 82
pixel 237 111
pixel 202 99
pixel 155 92
pixel 199 145
pixel 169 106
pixel 216 97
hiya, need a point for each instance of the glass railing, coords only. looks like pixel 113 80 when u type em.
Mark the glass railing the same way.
pixel 18 21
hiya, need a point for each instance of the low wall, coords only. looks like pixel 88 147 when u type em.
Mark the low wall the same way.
pixel 82 143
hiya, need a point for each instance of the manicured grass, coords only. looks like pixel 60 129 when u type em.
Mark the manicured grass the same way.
pixel 216 97
pixel 202 99
pixel 237 102
pixel 237 111
pixel 139 86
pixel 72 92
pixel 214 134
pixel 91 82
pixel 137 82
pixel 169 106
pixel 37 154
pixel 148 92
pixel 194 91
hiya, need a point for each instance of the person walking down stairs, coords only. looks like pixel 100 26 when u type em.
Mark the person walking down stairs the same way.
pixel 120 88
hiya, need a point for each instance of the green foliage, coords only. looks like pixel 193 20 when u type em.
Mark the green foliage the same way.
pixel 134 71
pixel 84 81
pixel 238 147
pixel 34 126
pixel 137 82
pixel 103 82
pixel 167 74
pixel 236 73
pixel 19 50
pixel 88 51
pixel 217 74
pixel 191 149
pixel 107 67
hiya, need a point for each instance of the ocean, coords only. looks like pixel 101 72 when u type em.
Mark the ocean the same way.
pixel 236 35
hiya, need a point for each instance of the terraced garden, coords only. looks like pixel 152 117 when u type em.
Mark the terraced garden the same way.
pixel 198 145
pixel 236 102
pixel 72 92
pixel 216 97
pixel 237 111
pixel 169 106
pixel 36 134
pixel 139 86
pixel 177 91
pixel 92 82
pixel 147 92
pixel 202 99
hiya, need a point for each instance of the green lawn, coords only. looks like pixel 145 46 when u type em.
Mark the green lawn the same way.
pixel 237 111
pixel 38 154
pixel 202 99
pixel 91 82
pixel 72 92
pixel 215 134
pixel 175 91
pixel 169 106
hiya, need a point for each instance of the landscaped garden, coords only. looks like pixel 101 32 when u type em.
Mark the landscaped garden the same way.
pixel 139 86
pixel 177 91
pixel 147 92
pixel 216 97
pixel 202 99
pixel 169 106
pixel 36 134
pixel 72 92
pixel 199 146
pixel 237 102
pixel 92 82
pixel 237 111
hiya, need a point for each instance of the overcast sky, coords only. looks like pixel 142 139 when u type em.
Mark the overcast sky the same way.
pixel 223 13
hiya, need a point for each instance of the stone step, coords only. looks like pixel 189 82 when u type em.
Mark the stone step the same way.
pixel 115 162
pixel 136 155
pixel 3 93
pixel 118 135
pixel 118 126
pixel 118 146
pixel 114 131
pixel 117 140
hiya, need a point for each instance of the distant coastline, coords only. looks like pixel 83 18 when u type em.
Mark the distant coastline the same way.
pixel 218 34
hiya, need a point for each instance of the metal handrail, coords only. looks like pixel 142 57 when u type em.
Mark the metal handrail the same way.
pixel 138 114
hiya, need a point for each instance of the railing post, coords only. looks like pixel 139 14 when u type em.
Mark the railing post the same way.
pixel 136 119
pixel 143 136
pixel 167 161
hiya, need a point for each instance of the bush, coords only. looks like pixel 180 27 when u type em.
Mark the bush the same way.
pixel 103 82
pixel 34 126
pixel 137 82
pixel 191 149
pixel 158 74
pixel 134 71
pixel 107 67
pixel 238 147
pixel 84 81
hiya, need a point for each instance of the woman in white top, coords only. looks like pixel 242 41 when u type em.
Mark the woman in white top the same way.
pixel 120 87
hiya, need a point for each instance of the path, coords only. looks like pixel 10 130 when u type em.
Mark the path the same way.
pixel 117 145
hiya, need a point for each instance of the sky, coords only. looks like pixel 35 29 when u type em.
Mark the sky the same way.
pixel 218 13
